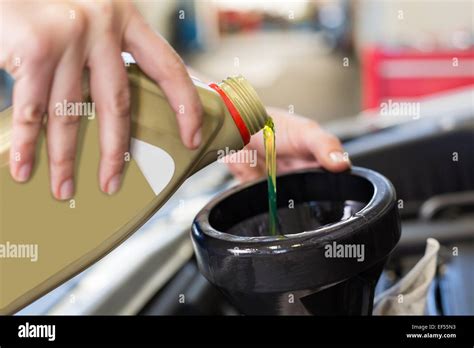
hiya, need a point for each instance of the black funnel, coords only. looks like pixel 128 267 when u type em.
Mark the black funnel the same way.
pixel 338 232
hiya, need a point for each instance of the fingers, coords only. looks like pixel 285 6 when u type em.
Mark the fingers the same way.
pixel 110 92
pixel 326 148
pixel 299 138
pixel 30 98
pixel 161 63
pixel 65 109
pixel 251 168
pixel 243 174
pixel 289 164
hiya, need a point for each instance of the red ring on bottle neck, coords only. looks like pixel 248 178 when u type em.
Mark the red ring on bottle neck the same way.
pixel 239 122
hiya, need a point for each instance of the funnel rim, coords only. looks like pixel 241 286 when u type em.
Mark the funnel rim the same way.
pixel 382 199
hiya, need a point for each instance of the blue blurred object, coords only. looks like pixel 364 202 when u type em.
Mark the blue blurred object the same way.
pixel 185 25
pixel 6 85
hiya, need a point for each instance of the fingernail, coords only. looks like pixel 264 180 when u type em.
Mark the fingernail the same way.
pixel 66 190
pixel 197 138
pixel 24 172
pixel 337 157
pixel 114 184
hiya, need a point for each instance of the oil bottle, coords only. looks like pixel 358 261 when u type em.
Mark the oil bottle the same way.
pixel 71 235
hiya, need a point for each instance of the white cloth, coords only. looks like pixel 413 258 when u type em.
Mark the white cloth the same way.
pixel 408 296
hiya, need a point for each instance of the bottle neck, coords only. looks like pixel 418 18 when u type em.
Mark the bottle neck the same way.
pixel 244 105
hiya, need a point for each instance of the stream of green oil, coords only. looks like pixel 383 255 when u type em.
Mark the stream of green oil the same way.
pixel 270 162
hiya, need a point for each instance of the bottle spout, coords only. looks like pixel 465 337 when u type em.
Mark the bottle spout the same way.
pixel 251 113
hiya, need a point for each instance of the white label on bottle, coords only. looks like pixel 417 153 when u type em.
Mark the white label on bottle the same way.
pixel 156 165
pixel 201 84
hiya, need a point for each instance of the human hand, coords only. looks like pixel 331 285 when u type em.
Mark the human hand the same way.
pixel 300 143
pixel 46 45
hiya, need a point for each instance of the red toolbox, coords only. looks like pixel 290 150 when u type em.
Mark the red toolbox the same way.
pixel 408 74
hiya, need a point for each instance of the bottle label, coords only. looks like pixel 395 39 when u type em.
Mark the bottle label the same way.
pixel 199 83
pixel 156 165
